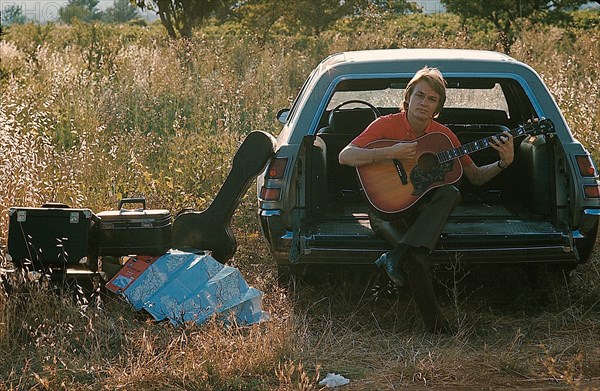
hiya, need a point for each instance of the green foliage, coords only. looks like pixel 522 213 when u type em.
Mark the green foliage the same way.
pixel 13 14
pixel 268 16
pixel 584 20
pixel 74 12
pixel 121 11
pixel 83 10
pixel 180 16
pixel 507 15
pixel 307 16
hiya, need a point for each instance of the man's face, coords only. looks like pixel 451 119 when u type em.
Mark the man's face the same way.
pixel 423 101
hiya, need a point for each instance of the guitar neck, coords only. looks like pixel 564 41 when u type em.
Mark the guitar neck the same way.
pixel 486 142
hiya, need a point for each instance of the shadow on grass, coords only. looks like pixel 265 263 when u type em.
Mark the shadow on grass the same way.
pixel 466 294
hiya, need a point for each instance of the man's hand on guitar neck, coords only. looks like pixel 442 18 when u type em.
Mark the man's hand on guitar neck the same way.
pixel 505 146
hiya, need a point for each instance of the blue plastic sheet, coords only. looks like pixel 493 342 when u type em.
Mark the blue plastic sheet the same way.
pixel 187 287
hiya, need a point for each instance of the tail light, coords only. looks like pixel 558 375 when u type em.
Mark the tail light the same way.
pixel 276 170
pixel 270 193
pixel 591 191
pixel 586 166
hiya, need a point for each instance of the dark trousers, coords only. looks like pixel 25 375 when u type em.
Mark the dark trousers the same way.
pixel 414 234
pixel 422 224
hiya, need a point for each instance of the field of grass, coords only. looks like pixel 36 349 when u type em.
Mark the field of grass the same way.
pixel 92 113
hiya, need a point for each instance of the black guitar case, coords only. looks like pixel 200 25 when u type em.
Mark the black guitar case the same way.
pixel 210 229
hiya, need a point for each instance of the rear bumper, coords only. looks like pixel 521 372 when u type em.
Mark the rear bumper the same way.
pixel 363 248
pixel 473 255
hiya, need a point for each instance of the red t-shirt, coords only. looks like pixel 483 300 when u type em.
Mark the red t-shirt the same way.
pixel 397 127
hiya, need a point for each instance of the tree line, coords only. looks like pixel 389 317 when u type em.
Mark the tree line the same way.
pixel 308 17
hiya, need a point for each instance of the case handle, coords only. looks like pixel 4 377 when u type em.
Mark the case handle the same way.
pixel 139 200
pixel 55 205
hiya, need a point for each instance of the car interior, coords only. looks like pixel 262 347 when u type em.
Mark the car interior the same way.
pixel 523 194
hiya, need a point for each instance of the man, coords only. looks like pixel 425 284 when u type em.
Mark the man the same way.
pixel 416 231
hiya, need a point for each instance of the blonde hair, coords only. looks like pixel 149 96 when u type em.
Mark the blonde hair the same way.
pixel 436 81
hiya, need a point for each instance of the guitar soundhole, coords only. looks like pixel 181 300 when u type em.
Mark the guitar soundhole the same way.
pixel 428 161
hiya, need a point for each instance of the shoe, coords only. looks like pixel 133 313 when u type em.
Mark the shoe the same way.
pixel 391 267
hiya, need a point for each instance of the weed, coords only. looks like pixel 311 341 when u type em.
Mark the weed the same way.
pixel 91 114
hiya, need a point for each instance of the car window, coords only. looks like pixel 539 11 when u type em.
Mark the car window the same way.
pixel 488 95
pixel 488 98
pixel 381 98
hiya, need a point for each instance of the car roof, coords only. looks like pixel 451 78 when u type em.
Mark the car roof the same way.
pixel 410 60
pixel 379 55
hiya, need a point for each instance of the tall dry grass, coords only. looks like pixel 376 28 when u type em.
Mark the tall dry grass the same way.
pixel 91 113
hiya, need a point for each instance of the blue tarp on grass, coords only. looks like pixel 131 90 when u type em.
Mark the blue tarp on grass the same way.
pixel 187 287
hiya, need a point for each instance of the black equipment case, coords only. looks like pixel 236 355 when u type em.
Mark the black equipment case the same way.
pixel 211 228
pixel 52 236
pixel 134 231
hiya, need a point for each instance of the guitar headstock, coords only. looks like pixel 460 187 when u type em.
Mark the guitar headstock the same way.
pixel 537 127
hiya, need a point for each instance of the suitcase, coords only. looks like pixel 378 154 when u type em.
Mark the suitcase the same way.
pixel 134 231
pixel 53 235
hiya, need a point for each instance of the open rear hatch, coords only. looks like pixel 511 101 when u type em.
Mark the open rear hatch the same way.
pixel 514 218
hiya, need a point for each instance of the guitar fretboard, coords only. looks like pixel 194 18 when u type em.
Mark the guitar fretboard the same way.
pixel 465 149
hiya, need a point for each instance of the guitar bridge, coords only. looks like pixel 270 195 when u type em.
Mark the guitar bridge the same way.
pixel 401 171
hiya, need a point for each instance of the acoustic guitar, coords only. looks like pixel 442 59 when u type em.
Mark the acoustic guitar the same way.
pixel 392 186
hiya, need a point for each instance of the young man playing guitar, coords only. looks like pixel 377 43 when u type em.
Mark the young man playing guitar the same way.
pixel 415 231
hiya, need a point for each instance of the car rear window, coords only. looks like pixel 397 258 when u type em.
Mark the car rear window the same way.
pixel 484 94
pixel 489 98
